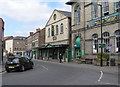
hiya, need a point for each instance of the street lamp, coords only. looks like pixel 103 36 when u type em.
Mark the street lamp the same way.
pixel 101 63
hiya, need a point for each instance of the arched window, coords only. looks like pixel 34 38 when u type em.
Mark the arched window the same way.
pixel 105 6
pixel 106 40
pixel 56 29
pixel 94 9
pixel 117 41
pixel 52 30
pixel 77 15
pixel 117 5
pixel 48 32
pixel 95 43
pixel 61 28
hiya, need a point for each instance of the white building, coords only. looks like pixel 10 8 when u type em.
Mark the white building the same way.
pixel 15 45
pixel 57 35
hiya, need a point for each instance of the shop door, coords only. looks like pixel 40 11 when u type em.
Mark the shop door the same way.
pixel 77 53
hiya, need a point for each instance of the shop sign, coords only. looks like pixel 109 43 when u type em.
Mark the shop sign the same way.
pixel 106 20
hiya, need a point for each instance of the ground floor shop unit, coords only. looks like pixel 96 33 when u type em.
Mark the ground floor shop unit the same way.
pixel 52 52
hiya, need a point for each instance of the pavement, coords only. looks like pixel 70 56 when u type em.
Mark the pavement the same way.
pixel 2 69
pixel 107 69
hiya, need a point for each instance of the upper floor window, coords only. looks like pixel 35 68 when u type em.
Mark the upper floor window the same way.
pixel 95 43
pixel 94 10
pixel 117 5
pixel 77 15
pixel 117 41
pixel 49 32
pixel 52 30
pixel 56 29
pixel 61 28
pixel 105 6
pixel 106 41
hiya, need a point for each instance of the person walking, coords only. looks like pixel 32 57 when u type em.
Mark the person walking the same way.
pixel 60 56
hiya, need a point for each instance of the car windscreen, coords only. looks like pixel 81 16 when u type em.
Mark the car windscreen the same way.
pixel 14 60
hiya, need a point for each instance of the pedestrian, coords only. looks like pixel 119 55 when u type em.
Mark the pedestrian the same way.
pixel 60 58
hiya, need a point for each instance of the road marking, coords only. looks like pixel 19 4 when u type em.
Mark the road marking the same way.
pixel 101 74
pixel 44 67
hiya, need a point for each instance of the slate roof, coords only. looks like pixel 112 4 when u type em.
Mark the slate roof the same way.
pixel 66 13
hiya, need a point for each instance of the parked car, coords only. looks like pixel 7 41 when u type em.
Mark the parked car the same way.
pixel 18 64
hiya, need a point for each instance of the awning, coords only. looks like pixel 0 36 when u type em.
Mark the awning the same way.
pixel 52 46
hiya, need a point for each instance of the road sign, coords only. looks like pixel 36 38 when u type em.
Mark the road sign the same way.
pixel 108 46
pixel 102 45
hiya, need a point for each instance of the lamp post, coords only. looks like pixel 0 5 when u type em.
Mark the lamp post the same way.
pixel 101 61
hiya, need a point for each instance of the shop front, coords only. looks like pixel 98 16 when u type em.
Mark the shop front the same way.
pixel 77 48
pixel 49 52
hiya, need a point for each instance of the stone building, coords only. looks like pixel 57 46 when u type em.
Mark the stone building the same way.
pixel 57 35
pixel 34 42
pixel 16 45
pixel 1 38
pixel 86 28
pixel 28 45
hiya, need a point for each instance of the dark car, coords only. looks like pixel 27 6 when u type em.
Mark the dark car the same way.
pixel 18 64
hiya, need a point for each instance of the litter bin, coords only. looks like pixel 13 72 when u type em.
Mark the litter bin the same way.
pixel 112 62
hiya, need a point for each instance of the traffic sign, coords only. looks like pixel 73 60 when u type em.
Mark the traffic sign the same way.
pixel 102 45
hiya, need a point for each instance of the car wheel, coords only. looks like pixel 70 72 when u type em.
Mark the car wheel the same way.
pixel 32 66
pixel 22 68
pixel 7 71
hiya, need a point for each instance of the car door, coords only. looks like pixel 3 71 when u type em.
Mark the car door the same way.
pixel 25 63
pixel 29 62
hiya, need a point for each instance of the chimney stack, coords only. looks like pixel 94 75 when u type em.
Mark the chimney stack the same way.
pixel 37 29
pixel 31 33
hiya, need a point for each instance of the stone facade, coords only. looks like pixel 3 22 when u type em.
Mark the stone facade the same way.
pixel 33 42
pixel 57 35
pixel 88 27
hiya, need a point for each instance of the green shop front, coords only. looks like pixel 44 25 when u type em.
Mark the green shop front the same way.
pixel 77 49
pixel 52 52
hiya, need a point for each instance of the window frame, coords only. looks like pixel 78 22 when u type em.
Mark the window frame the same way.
pixel 106 40
pixel 61 28
pixel 105 7
pixel 94 9
pixel 57 30
pixel 117 41
pixel 77 14
pixel 95 43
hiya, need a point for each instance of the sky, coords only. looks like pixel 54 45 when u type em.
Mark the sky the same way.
pixel 24 16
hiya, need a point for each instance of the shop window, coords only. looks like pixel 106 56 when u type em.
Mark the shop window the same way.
pixel 106 41
pixel 95 43
pixel 117 41
pixel 77 14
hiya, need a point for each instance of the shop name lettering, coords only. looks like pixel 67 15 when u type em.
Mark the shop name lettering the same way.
pixel 106 20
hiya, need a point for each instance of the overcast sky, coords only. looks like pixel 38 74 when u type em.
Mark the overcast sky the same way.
pixel 24 16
